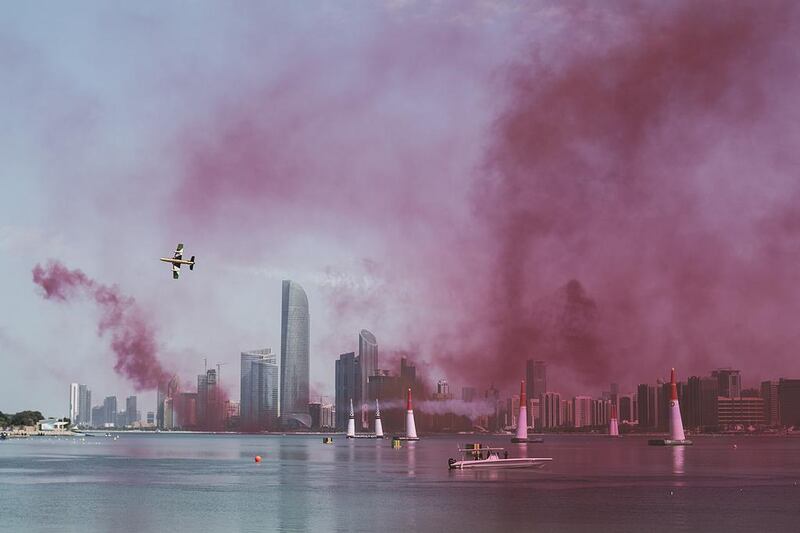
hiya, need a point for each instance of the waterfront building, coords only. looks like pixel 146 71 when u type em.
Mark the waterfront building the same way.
pixel 742 411
pixel 582 411
pixel 769 392
pixel 535 413
pixel 165 390
pixel 315 412
pixel 567 414
pixel 730 382
pixel 110 411
pixel 151 418
pixel 131 415
pixel 647 406
pixel 185 410
pixel 209 401
pixel 551 410
pixel 259 390
pixel 347 386
pixel 789 401
pixel 535 378
pixel 74 403
pixel 266 381
pixel 368 357
pixel 295 352
pixel 627 408
pixel 84 405
pixel 98 418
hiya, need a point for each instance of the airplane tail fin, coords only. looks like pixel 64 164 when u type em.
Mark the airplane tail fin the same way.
pixel 191 267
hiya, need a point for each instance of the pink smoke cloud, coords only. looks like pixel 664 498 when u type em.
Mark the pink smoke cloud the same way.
pixel 133 339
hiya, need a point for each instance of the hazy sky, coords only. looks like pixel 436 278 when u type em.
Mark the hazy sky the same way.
pixel 612 188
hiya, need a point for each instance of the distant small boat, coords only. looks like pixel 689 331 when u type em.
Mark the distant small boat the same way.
pixel 477 456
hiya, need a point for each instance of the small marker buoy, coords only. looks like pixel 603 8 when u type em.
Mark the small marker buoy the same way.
pixel 258 458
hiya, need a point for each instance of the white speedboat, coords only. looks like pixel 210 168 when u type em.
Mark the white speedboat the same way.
pixel 478 456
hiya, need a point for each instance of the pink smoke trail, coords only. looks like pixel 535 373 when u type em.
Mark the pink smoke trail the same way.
pixel 132 337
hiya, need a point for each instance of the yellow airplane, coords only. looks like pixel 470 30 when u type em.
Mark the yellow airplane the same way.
pixel 177 260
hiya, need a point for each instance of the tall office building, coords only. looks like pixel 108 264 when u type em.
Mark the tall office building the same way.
pixel 209 401
pixel 647 406
pixel 98 418
pixel 769 392
pixel 131 415
pixel 84 405
pixel 368 356
pixel 582 411
pixel 535 378
pixel 259 389
pixel 627 408
pixel 348 387
pixel 110 410
pixel 295 339
pixel 74 403
pixel 266 379
pixel 730 382
pixel 789 401
pixel 166 390
pixel 551 410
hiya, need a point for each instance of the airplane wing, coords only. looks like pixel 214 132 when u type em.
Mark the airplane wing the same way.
pixel 176 271
pixel 179 252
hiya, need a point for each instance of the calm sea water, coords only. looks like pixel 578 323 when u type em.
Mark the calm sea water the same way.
pixel 162 482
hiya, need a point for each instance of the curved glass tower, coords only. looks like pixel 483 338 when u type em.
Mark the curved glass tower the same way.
pixel 295 334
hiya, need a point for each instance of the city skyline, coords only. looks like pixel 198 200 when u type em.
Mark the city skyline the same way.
pixel 708 403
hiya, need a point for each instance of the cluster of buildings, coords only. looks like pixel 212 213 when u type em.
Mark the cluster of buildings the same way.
pixel 713 403
pixel 106 415
pixel 274 395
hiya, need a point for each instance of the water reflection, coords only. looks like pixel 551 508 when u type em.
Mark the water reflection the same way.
pixel 678 459
pixel 412 459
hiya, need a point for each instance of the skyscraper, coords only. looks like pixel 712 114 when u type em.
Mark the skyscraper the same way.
pixel 295 338
pixel 130 410
pixel 259 389
pixel 551 410
pixel 368 356
pixel 84 405
pixel 769 391
pixel 266 378
pixel 647 405
pixel 348 386
pixel 110 410
pixel 74 403
pixel 582 409
pixel 535 378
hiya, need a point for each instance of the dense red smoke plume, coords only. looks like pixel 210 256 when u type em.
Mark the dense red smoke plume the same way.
pixel 639 172
pixel 635 209
pixel 132 338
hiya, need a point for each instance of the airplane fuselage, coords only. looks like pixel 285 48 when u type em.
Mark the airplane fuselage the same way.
pixel 177 261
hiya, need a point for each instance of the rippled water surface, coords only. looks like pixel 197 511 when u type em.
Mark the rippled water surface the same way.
pixel 171 482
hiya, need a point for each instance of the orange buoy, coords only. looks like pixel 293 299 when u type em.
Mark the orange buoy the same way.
pixel 258 458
